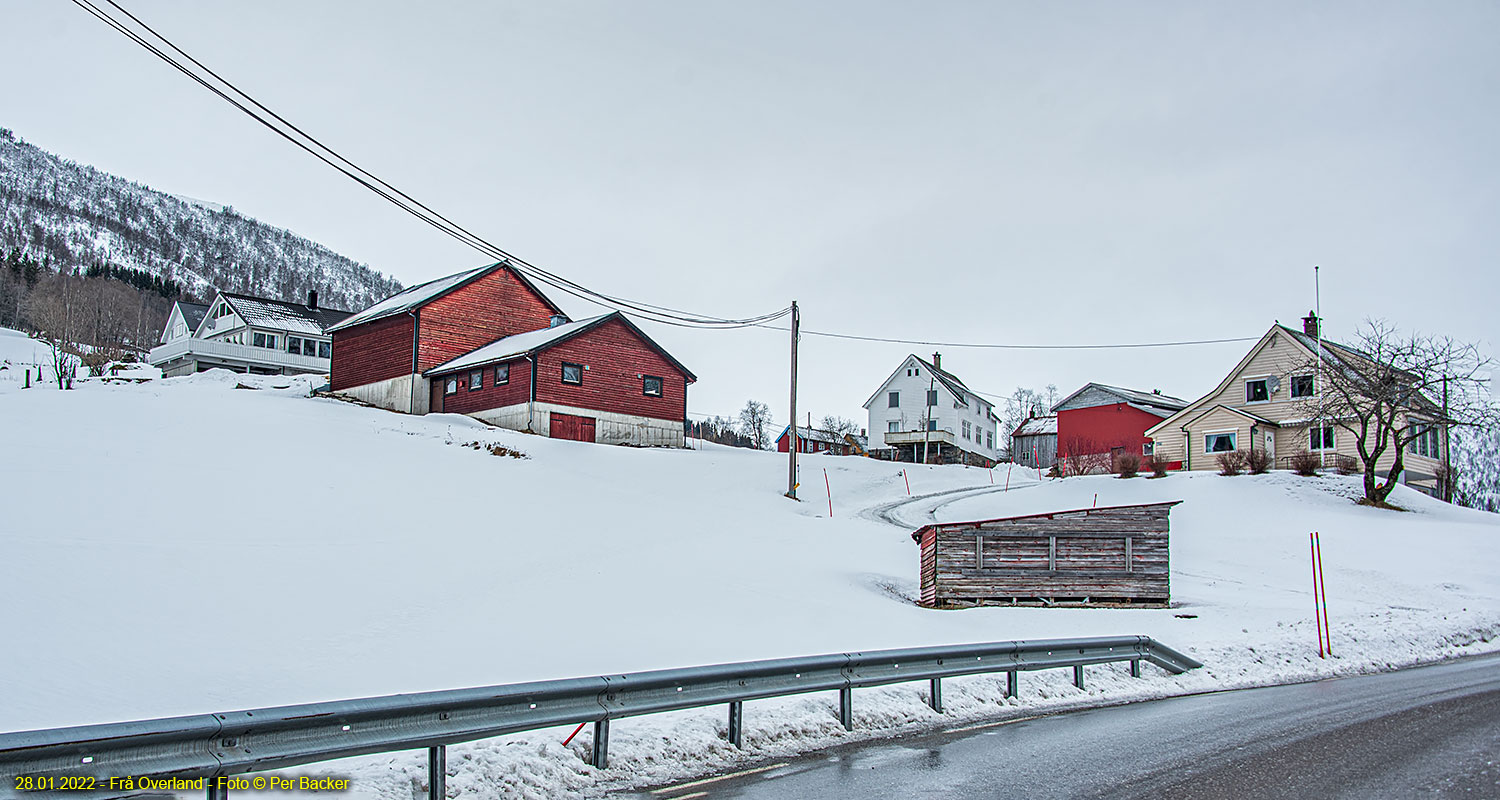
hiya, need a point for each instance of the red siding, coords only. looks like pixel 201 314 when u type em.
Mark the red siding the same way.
pixel 805 445
pixel 375 351
pixel 615 359
pixel 1100 428
pixel 493 307
pixel 518 390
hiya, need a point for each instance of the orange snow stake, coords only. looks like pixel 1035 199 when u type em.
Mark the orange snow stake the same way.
pixel 1007 476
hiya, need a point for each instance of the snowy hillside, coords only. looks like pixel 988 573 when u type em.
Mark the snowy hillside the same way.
pixel 72 215
pixel 254 546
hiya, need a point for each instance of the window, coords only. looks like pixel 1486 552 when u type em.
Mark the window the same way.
pixel 893 427
pixel 650 386
pixel 450 386
pixel 1302 386
pixel 932 397
pixel 989 439
pixel 572 373
pixel 325 349
pixel 260 340
pixel 293 345
pixel 1425 441
pixel 966 429
pixel 1322 438
pixel 476 380
pixel 502 374
pixel 1148 448
pixel 893 400
pixel 931 424
pixel 310 347
pixel 1220 442
pixel 1257 391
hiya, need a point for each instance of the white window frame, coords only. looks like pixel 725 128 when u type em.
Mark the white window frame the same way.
pixel 1292 386
pixel 1328 438
pixel 1234 441
pixel 1267 381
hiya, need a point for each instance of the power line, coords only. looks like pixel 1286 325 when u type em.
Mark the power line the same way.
pixel 391 194
pixel 1008 346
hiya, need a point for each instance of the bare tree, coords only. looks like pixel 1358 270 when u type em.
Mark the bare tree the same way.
pixel 839 426
pixel 755 419
pixel 55 315
pixel 1390 388
pixel 1021 405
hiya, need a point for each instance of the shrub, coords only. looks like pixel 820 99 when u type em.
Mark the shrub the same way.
pixel 1258 461
pixel 1127 465
pixel 1158 466
pixel 1345 465
pixel 1231 463
pixel 1305 463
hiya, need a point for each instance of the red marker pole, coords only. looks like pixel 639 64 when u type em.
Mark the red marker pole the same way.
pixel 829 487
pixel 574 733
pixel 1323 592
pixel 908 482
pixel 1007 476
pixel 1312 552
pixel 1037 463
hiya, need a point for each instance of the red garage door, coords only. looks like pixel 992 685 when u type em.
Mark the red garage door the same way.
pixel 567 426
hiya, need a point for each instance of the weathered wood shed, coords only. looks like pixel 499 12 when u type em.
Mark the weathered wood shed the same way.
pixel 1116 555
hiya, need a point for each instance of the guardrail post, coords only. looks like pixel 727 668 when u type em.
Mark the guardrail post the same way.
pixel 846 708
pixel 437 772
pixel 1078 675
pixel 736 723
pixel 1135 668
pixel 935 695
pixel 216 789
pixel 601 744
pixel 1012 684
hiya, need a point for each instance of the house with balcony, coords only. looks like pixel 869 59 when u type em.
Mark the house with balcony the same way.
pixel 247 334
pixel 925 414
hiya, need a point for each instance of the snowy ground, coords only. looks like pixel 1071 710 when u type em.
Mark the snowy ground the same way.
pixel 218 542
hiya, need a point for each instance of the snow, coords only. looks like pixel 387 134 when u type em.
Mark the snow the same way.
pixel 408 299
pixel 517 345
pixel 304 549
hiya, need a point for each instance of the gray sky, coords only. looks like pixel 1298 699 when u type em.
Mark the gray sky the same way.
pixel 1029 173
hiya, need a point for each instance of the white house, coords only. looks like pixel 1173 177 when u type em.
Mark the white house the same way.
pixel 923 408
pixel 247 334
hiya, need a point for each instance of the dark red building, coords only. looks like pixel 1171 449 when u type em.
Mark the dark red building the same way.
pixel 488 343
pixel 1112 420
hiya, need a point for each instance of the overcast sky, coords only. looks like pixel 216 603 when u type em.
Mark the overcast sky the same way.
pixel 1028 173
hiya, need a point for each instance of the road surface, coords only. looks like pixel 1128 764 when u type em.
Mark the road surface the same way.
pixel 1428 732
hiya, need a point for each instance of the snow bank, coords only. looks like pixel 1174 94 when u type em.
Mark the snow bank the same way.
pixel 306 549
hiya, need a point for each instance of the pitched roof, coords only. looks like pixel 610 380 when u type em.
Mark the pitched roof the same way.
pixel 1156 400
pixel 947 379
pixel 281 315
pixel 424 293
pixel 1036 426
pixel 815 435
pixel 192 313
pixel 509 347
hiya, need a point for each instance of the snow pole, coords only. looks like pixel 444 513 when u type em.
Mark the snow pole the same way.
pixel 1323 592
pixel 1007 476
pixel 1096 499
pixel 1036 462
pixel 908 482
pixel 574 733
pixel 1312 551
pixel 829 487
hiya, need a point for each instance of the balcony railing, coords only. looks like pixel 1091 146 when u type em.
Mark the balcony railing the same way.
pixel 235 355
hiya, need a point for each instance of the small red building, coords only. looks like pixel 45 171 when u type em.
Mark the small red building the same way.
pixel 1111 420
pixel 811 440
pixel 488 343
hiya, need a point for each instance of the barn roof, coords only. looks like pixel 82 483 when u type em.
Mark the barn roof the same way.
pixel 1155 402
pixel 1037 426
pixel 522 344
pixel 424 293
pixel 938 526
pixel 264 312
pixel 814 435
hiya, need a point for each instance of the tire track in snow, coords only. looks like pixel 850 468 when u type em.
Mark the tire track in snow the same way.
pixel 891 512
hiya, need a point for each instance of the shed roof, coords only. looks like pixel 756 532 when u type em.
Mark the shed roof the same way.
pixel 1037 426
pixel 521 344
pixel 424 293
pixel 938 526
pixel 278 314
pixel 815 435
pixel 1156 400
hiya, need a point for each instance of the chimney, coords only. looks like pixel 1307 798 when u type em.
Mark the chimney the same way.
pixel 1310 324
pixel 937 360
pixel 312 299
pixel 557 319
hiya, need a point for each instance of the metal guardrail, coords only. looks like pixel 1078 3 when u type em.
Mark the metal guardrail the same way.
pixel 213 746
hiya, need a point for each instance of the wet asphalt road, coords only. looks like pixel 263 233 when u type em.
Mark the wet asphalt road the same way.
pixel 1429 732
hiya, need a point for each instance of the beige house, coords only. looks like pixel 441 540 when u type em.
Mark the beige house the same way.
pixel 1262 404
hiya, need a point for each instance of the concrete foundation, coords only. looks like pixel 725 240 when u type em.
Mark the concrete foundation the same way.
pixel 609 428
pixel 395 394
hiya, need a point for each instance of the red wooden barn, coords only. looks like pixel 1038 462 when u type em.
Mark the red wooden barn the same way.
pixel 1109 419
pixel 489 344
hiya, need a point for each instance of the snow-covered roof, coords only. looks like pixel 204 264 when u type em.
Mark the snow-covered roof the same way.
pixel 815 435
pixel 408 299
pixel 192 313
pixel 1037 426
pixel 518 345
pixel 1133 396
pixel 263 312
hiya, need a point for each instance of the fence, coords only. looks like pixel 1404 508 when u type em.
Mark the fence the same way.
pixel 216 745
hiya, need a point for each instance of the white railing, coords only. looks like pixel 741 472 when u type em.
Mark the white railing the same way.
pixel 212 349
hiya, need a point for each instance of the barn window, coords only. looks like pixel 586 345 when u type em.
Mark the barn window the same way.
pixel 1220 442
pixel 476 380
pixel 450 386
pixel 893 400
pixel 572 373
pixel 650 386
pixel 1257 391
pixel 502 374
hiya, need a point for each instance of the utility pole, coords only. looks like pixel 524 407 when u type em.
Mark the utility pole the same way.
pixel 1447 465
pixel 927 417
pixel 791 464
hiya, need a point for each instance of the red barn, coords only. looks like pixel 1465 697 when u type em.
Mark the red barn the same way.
pixel 812 440
pixel 1110 420
pixel 489 344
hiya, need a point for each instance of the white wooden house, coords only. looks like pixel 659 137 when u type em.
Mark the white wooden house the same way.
pixel 247 334
pixel 925 413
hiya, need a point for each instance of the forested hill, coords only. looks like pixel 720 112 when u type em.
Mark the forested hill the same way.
pixel 71 216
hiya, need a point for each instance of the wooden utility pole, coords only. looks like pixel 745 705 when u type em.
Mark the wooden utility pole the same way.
pixel 1447 484
pixel 791 464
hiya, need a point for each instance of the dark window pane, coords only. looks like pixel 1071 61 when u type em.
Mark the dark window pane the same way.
pixel 572 373
pixel 651 386
pixel 476 380
pixel 502 374
pixel 893 400
pixel 325 350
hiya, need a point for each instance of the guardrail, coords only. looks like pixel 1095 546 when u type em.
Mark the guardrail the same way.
pixel 214 746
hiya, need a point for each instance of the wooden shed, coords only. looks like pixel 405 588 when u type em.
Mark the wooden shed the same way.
pixel 1111 556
